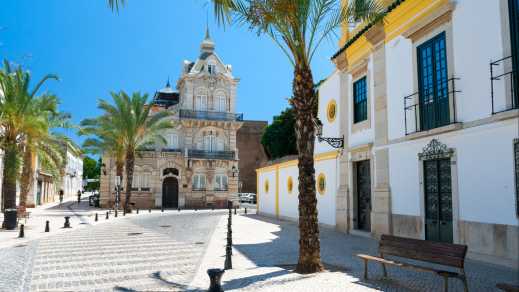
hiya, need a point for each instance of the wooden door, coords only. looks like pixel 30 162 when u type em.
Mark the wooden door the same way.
pixel 363 184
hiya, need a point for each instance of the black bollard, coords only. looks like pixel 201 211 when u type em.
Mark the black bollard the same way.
pixel 115 213
pixel 178 209
pixel 96 218
pixel 245 210
pixel 22 233
pixel 137 210
pixel 149 210
pixel 228 259
pixel 124 212
pixel 47 227
pixel 234 210
pixel 215 277
pixel 107 215
pixel 162 208
pixel 67 222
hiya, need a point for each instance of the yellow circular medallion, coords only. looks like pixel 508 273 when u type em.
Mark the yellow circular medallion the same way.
pixel 321 183
pixel 331 110
pixel 290 184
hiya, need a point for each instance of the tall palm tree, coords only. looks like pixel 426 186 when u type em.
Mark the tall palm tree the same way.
pixel 298 27
pixel 16 120
pixel 104 139
pixel 131 120
pixel 43 143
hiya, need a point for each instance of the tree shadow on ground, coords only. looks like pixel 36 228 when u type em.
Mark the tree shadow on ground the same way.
pixel 339 250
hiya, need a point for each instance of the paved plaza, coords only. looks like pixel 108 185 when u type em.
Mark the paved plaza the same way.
pixel 145 252
pixel 172 251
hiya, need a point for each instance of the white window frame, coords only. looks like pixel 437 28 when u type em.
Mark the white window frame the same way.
pixel 221 182
pixel 199 181
pixel 222 103
pixel 201 103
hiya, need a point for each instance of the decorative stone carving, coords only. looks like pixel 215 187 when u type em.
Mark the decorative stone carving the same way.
pixel 435 149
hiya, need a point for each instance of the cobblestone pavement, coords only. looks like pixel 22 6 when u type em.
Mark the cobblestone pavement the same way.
pixel 152 252
pixel 263 260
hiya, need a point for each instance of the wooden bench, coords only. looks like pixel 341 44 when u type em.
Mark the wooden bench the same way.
pixel 445 254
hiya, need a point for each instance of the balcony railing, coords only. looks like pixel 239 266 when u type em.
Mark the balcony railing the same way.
pixel 171 150
pixel 208 115
pixel 503 85
pixel 435 109
pixel 204 154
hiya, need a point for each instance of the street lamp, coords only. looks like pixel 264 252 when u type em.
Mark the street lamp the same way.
pixel 334 142
pixel 234 171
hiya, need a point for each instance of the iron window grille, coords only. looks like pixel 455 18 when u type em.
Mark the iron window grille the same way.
pixel 505 79
pixel 360 102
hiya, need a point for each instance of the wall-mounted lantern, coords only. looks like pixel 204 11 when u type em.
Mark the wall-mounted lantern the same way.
pixel 334 142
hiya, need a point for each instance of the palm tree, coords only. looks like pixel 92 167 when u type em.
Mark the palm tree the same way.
pixel 133 126
pixel 41 142
pixel 104 139
pixel 298 27
pixel 16 120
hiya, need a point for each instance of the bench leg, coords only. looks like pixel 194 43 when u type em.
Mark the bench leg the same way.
pixel 365 269
pixel 465 283
pixel 445 283
pixel 384 270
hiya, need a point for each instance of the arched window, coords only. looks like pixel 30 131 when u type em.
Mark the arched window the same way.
pixel 172 140
pixel 201 103
pixel 221 103
pixel 211 67
pixel 210 143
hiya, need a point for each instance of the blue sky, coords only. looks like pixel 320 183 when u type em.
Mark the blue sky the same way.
pixel 95 51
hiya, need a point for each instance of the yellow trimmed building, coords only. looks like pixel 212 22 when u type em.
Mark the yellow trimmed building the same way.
pixel 428 104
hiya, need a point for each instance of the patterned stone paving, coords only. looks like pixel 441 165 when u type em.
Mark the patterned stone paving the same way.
pixel 147 253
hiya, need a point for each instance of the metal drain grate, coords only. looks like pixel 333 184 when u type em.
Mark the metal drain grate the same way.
pixel 134 233
pixel 165 226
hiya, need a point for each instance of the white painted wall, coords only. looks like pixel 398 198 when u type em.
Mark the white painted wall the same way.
pixel 267 201
pixel 288 202
pixel 329 89
pixel 485 173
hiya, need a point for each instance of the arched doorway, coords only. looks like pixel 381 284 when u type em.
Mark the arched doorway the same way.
pixel 170 192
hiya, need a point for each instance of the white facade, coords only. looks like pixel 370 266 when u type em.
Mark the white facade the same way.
pixel 472 137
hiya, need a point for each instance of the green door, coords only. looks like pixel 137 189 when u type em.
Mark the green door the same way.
pixel 438 200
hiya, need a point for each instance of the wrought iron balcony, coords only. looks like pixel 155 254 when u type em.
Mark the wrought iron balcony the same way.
pixel 204 154
pixel 210 115
pixel 171 150
pixel 504 85
pixel 434 108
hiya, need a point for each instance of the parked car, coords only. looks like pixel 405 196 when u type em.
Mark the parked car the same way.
pixel 247 198
pixel 93 200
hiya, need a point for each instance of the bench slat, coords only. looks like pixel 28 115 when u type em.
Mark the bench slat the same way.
pixel 435 252
pixel 407 265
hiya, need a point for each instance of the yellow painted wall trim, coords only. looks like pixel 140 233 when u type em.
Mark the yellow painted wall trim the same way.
pixel 400 20
pixel 318 157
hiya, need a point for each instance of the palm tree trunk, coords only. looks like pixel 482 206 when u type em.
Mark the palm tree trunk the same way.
pixel 130 162
pixel 304 102
pixel 10 173
pixel 27 179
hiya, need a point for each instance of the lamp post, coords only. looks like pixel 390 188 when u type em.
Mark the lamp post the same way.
pixel 332 141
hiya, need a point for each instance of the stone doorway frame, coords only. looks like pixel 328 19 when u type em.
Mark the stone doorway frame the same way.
pixel 435 150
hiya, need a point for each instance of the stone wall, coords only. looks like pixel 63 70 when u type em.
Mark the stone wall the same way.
pixel 251 153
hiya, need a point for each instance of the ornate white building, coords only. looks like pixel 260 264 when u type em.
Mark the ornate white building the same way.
pixel 198 167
